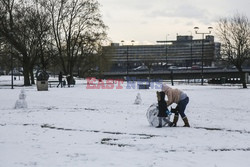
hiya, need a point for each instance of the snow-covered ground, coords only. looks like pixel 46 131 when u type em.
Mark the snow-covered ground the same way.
pixel 96 128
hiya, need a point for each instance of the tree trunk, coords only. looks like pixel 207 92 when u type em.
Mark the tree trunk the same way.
pixel 26 71
pixel 242 78
pixel 26 76
pixel 32 76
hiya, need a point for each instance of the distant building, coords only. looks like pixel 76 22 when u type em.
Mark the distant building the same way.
pixel 182 52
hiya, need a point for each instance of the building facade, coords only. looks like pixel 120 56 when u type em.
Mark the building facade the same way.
pixel 182 52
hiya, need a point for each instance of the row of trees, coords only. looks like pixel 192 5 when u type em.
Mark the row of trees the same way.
pixel 52 32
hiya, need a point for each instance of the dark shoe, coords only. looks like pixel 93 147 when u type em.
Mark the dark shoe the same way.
pixel 172 125
pixel 159 126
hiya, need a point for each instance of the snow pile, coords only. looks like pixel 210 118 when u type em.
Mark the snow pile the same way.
pixel 21 103
pixel 77 127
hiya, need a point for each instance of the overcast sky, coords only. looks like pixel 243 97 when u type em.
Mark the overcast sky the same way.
pixel 147 21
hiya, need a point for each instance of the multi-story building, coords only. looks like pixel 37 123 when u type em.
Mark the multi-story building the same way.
pixel 182 52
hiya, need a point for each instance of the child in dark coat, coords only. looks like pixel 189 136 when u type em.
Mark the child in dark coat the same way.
pixel 162 106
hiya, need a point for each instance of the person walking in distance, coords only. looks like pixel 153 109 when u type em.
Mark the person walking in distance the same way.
pixel 60 77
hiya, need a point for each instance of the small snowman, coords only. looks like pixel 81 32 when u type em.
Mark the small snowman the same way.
pixel 21 103
pixel 138 99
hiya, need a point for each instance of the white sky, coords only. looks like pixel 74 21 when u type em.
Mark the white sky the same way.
pixel 146 21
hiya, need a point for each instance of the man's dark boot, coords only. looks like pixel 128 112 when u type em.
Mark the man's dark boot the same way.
pixel 185 120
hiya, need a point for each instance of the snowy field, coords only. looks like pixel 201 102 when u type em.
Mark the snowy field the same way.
pixel 79 127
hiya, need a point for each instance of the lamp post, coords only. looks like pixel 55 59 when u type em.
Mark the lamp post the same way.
pixel 167 51
pixel 127 57
pixel 202 49
pixel 132 41
pixel 191 49
pixel 12 81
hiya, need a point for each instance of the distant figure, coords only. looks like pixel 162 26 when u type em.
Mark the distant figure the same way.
pixel 172 77
pixel 60 77
pixel 70 80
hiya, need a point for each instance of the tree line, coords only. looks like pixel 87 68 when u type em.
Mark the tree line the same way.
pixel 67 34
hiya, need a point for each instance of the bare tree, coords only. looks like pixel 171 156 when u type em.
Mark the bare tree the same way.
pixel 234 34
pixel 20 25
pixel 5 58
pixel 14 32
pixel 77 29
